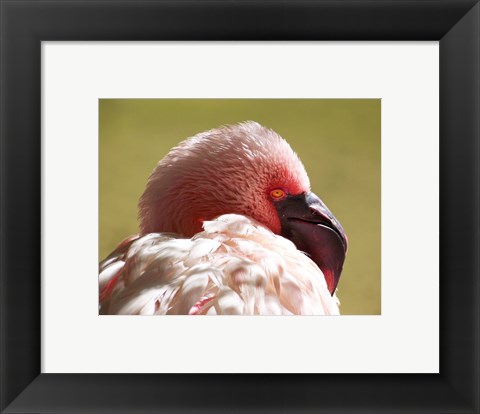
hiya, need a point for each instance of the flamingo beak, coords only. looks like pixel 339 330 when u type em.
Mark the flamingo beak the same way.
pixel 309 224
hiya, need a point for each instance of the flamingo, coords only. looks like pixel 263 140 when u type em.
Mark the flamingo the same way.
pixel 228 225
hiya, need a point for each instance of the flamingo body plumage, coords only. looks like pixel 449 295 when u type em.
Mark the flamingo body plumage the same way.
pixel 235 266
pixel 214 221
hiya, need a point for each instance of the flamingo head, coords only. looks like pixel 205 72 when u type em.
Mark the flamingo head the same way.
pixel 242 169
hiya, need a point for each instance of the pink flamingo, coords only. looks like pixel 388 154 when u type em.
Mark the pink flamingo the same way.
pixel 225 221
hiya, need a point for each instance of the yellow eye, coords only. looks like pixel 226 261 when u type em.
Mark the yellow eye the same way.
pixel 277 194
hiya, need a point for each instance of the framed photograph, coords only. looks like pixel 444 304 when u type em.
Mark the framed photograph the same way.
pixel 379 100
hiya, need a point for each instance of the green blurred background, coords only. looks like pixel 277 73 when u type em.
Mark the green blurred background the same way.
pixel 338 141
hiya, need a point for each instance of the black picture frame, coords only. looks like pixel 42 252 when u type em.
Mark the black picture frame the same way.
pixel 25 24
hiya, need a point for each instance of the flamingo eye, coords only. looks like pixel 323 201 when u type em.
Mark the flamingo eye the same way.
pixel 277 194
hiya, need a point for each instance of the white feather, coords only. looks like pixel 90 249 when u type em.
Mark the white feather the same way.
pixel 235 266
